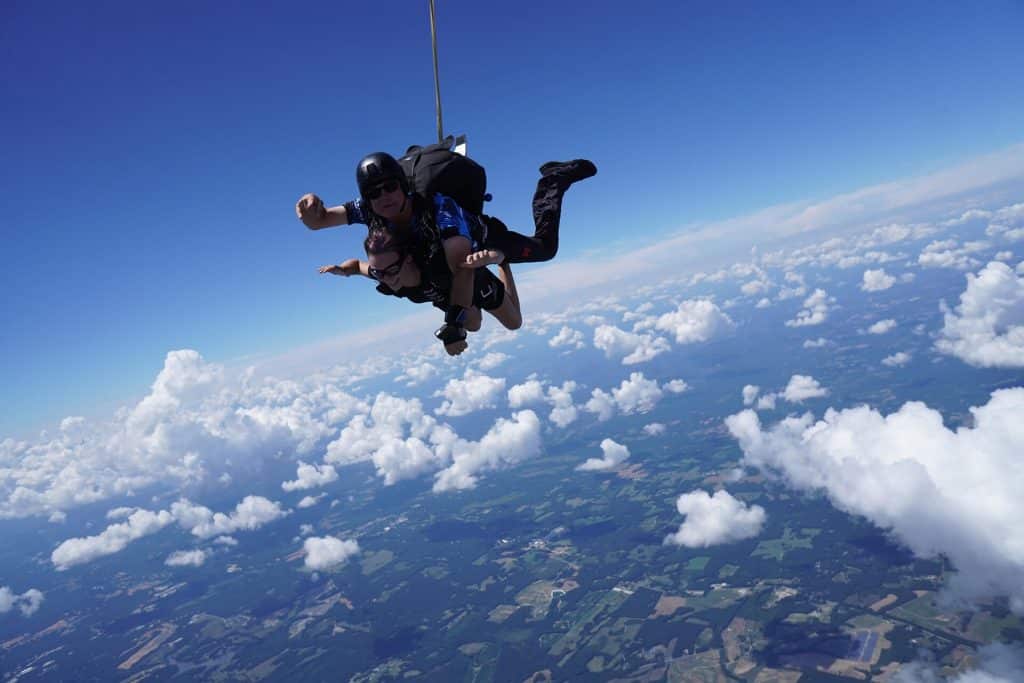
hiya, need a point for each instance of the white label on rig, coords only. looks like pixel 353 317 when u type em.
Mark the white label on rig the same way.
pixel 461 145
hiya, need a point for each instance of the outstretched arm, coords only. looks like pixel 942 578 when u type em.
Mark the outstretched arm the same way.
pixel 314 215
pixel 350 267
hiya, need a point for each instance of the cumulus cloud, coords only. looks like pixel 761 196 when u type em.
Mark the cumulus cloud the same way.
pixel 186 558
pixel 416 373
pixel 113 539
pixel 815 310
pixel 492 360
pixel 507 443
pixel 472 393
pixel 882 326
pixel 987 328
pixel 328 552
pixel 568 338
pixel 675 386
pixel 948 254
pixel 198 424
pixel 531 391
pixel 695 320
pixel 250 514
pixel 310 501
pixel 402 443
pixel 802 387
pixel 877 280
pixel 713 520
pixel 27 603
pixel 654 429
pixel 896 360
pixel 563 409
pixel 311 476
pixel 815 343
pixel 631 347
pixel 635 395
pixel 997 663
pixel 750 392
pixel 614 454
pixel 940 491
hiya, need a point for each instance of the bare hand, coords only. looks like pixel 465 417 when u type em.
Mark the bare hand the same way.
pixel 347 268
pixel 310 210
pixel 456 347
pixel 481 259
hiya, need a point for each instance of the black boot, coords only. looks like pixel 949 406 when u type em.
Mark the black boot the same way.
pixel 569 172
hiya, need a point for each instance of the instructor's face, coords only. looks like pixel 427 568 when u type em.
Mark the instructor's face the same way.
pixel 388 205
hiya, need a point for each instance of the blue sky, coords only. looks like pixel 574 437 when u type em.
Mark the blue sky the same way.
pixel 153 154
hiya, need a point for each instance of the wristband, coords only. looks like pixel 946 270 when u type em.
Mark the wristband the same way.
pixel 455 315
pixel 449 334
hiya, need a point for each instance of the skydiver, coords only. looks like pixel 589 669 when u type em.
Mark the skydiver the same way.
pixel 438 228
pixel 392 266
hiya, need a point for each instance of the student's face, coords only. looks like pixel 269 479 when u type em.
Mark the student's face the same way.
pixel 394 270
pixel 389 204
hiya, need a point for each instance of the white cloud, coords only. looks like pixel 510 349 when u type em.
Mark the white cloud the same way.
pixel 675 386
pixel 635 395
pixel 404 443
pixel 27 603
pixel 997 663
pixel 507 443
pixel 492 360
pixel 602 404
pixel 226 541
pixel 614 454
pixel 328 552
pixel 472 393
pixel 306 530
pixel 563 410
pixel 310 501
pixel 633 348
pixel 954 493
pixel 815 310
pixel 947 254
pixel 250 514
pixel 531 391
pixel 877 280
pixel 801 388
pixel 199 424
pixel 417 374
pixel 712 520
pixel 896 360
pixel 568 337
pixel 815 343
pixel 750 392
pixel 113 539
pixel 695 320
pixel 186 558
pixel 882 326
pixel 310 476
pixel 987 327
pixel 767 402
pixel 654 429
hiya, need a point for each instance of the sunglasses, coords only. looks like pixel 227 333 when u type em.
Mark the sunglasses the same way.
pixel 377 190
pixel 393 269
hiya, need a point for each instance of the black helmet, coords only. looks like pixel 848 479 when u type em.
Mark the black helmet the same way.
pixel 376 168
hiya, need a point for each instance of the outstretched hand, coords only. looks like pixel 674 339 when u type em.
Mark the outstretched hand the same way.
pixel 349 267
pixel 483 258
pixel 310 210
